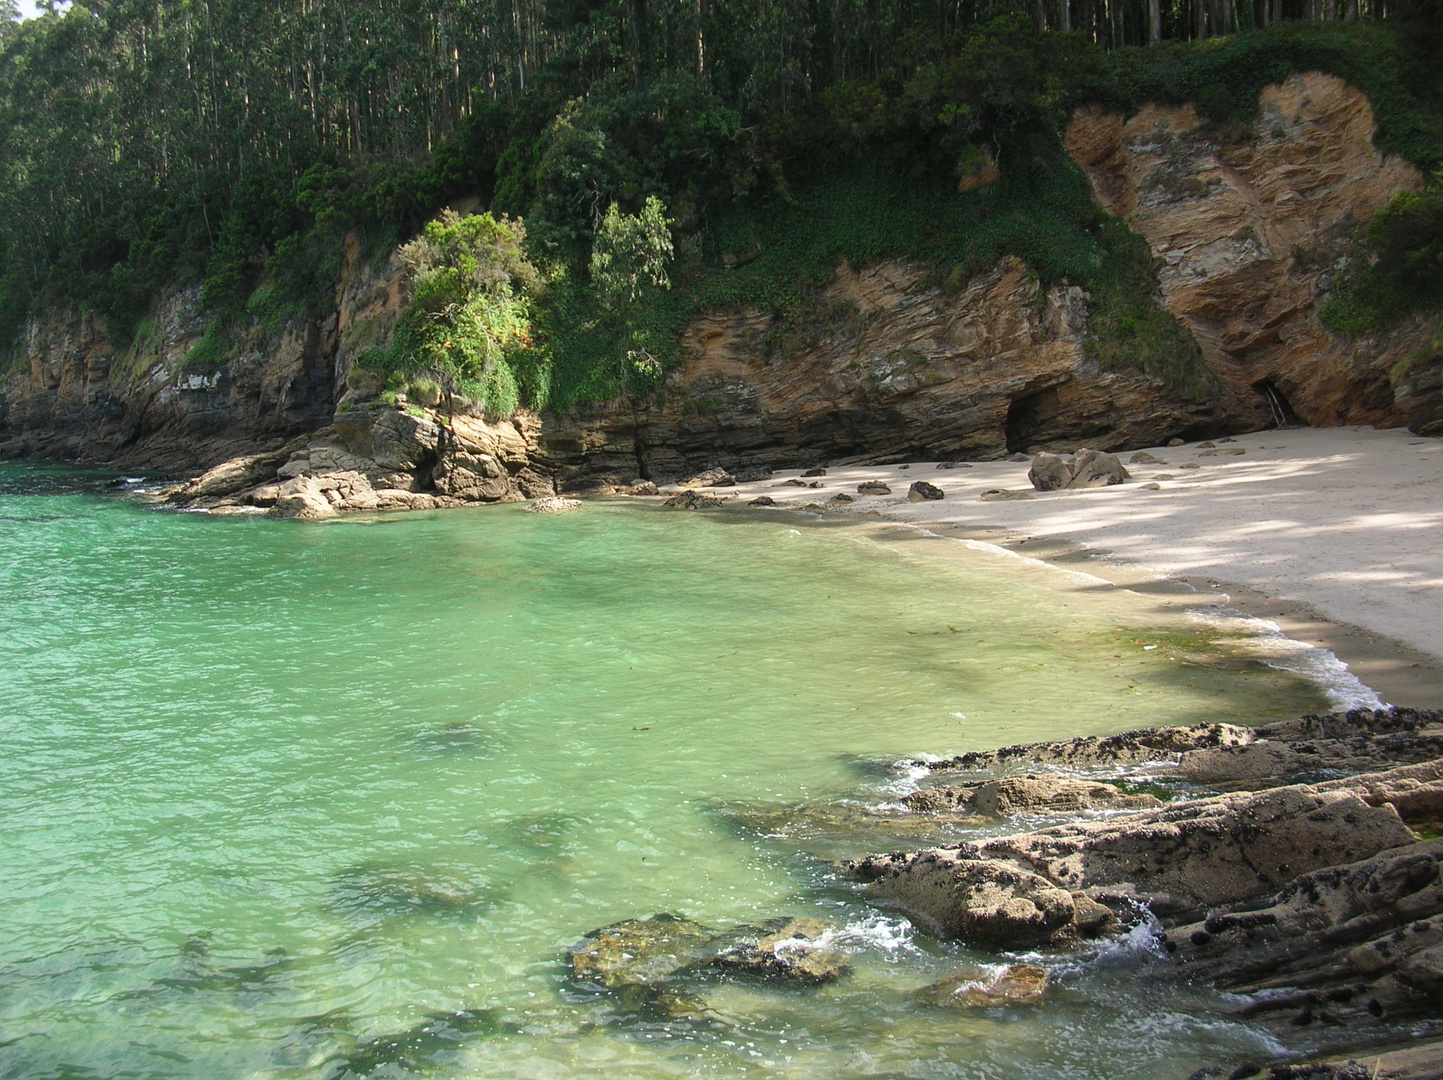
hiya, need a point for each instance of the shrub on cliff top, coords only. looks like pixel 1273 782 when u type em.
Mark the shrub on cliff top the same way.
pixel 469 311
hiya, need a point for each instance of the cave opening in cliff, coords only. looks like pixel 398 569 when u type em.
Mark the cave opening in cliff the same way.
pixel 1026 417
pixel 1279 409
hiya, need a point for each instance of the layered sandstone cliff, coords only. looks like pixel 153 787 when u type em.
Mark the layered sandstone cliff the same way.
pixel 1251 235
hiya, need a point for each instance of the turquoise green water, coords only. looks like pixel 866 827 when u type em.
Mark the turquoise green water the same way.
pixel 274 796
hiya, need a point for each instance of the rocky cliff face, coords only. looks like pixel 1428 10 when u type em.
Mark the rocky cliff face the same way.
pixel 900 369
pixel 892 364
pixel 72 394
pixel 1251 235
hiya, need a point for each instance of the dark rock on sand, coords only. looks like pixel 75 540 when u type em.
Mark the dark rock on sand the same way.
pixel 815 472
pixel 751 476
pixel 873 487
pixel 763 500
pixel 1142 457
pixel 1085 469
pixel 1049 473
pixel 709 478
pixel 843 497
pixel 694 500
pixel 921 491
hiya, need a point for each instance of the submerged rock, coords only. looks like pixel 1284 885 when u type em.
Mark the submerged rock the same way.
pixel 553 504
pixel 641 951
pixel 411 1051
pixel 388 889
pixel 838 831
pixel 794 951
pixel 763 500
pixel 677 956
pixel 972 987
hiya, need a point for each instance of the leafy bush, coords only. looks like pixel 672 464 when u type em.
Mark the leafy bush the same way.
pixel 469 310
pixel 1404 271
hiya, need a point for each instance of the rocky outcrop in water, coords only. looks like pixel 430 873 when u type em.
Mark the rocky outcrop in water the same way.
pixel 1017 890
pixel 1318 903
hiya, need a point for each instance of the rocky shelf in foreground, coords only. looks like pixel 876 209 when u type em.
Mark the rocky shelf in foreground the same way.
pixel 1302 869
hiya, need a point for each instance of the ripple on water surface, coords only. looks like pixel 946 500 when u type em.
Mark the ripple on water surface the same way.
pixel 286 801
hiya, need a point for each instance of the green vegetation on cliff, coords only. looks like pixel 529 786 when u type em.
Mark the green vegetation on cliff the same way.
pixel 148 144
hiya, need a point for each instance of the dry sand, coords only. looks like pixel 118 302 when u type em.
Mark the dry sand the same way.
pixel 1336 534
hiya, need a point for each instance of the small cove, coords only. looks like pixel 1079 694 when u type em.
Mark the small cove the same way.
pixel 288 801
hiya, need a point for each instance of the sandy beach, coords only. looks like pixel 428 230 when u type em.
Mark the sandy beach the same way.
pixel 1335 534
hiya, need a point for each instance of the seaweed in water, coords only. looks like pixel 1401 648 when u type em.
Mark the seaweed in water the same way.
pixel 404 1052
pixel 377 890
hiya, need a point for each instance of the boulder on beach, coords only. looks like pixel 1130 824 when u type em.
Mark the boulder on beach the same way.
pixel 921 491
pixel 710 478
pixel 763 500
pixel 1085 469
pixel 694 500
pixel 873 487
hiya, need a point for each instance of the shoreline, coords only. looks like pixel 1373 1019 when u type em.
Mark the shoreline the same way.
pixel 1303 529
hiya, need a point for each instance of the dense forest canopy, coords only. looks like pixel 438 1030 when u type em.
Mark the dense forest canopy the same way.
pixel 149 142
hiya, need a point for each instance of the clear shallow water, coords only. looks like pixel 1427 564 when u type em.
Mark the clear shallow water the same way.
pixel 271 796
